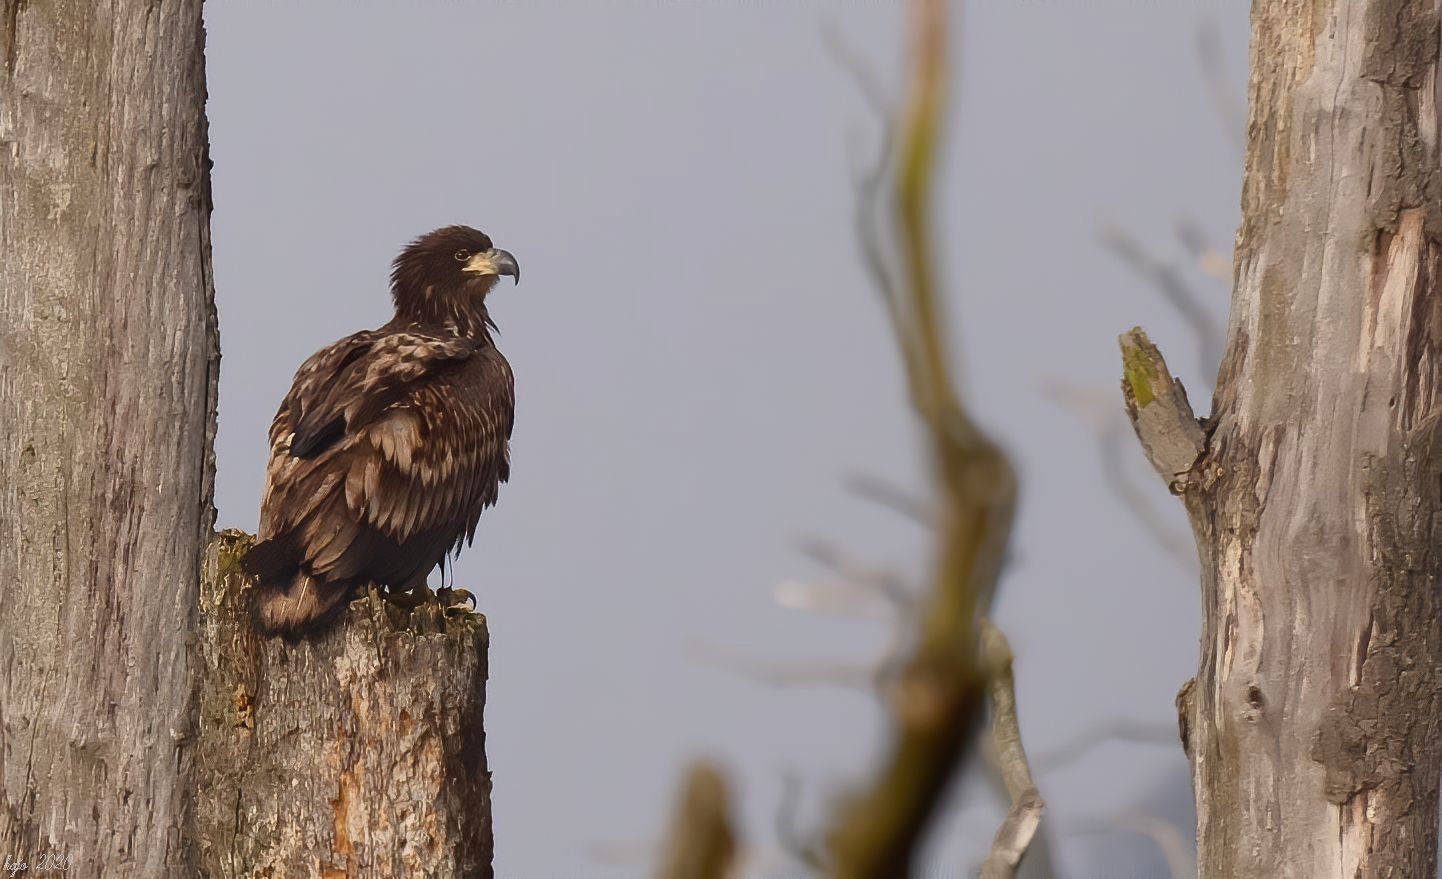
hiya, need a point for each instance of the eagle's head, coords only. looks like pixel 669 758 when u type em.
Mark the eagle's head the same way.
pixel 445 275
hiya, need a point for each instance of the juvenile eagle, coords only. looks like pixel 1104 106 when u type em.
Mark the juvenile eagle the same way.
pixel 390 443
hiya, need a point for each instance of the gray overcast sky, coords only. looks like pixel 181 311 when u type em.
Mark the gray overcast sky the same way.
pixel 700 362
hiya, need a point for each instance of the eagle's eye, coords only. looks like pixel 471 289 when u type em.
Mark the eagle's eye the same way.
pixel 462 255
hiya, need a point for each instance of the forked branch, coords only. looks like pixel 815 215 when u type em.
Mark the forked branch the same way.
pixel 937 699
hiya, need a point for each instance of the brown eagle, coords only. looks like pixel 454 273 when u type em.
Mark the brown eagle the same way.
pixel 390 443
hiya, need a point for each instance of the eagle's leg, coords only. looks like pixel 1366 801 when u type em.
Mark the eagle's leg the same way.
pixel 411 594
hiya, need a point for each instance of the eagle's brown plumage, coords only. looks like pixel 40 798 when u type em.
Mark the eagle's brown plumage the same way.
pixel 390 443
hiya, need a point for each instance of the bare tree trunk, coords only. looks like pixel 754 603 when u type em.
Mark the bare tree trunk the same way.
pixel 359 753
pixel 143 729
pixel 108 363
pixel 1313 725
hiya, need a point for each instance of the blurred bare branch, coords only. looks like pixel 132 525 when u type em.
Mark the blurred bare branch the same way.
pixel 885 494
pixel 872 242
pixel 1174 844
pixel 1170 839
pixel 887 584
pixel 835 596
pixel 800 845
pixel 1091 738
pixel 1169 282
pixel 790 674
pixel 869 177
pixel 937 697
pixel 1113 446
pixel 701 844
pixel 860 71
pixel 1231 112
pixel 881 583
pixel 855 589
pixel 1204 255
pixel 1016 832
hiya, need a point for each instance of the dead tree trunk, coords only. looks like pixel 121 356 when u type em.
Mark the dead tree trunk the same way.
pixel 106 415
pixel 359 753
pixel 1315 491
pixel 143 730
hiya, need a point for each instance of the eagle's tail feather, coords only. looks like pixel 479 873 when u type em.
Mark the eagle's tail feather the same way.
pixel 273 558
pixel 295 605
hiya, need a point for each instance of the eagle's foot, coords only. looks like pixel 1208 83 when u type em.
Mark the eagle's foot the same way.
pixel 410 598
pixel 456 599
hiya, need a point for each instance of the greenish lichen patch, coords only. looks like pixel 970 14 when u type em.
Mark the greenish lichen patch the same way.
pixel 1143 379
pixel 231 546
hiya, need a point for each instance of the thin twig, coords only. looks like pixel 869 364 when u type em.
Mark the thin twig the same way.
pixel 800 845
pixel 1209 259
pixel 1112 447
pixel 876 582
pixel 883 493
pixel 1175 290
pixel 1083 743
pixel 836 596
pixel 1169 839
pixel 1112 458
pixel 868 183
pixel 886 583
pixel 1231 112
pixel 861 72
pixel 789 674
pixel 1022 820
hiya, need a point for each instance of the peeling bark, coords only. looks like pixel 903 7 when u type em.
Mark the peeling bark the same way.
pixel 1313 726
pixel 108 363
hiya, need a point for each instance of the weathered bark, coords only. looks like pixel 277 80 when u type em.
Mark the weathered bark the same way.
pixel 358 753
pixel 143 730
pixel 1313 724
pixel 108 361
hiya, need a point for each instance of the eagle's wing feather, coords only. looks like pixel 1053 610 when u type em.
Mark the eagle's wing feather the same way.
pixel 343 386
pixel 310 380
pixel 439 456
pixel 381 441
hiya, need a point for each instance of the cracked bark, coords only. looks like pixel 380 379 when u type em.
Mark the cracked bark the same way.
pixel 143 730
pixel 108 360
pixel 358 753
pixel 1313 726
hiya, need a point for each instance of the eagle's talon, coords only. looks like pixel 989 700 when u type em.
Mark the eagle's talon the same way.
pixel 456 599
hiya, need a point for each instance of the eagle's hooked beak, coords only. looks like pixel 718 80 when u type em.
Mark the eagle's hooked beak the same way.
pixel 494 262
